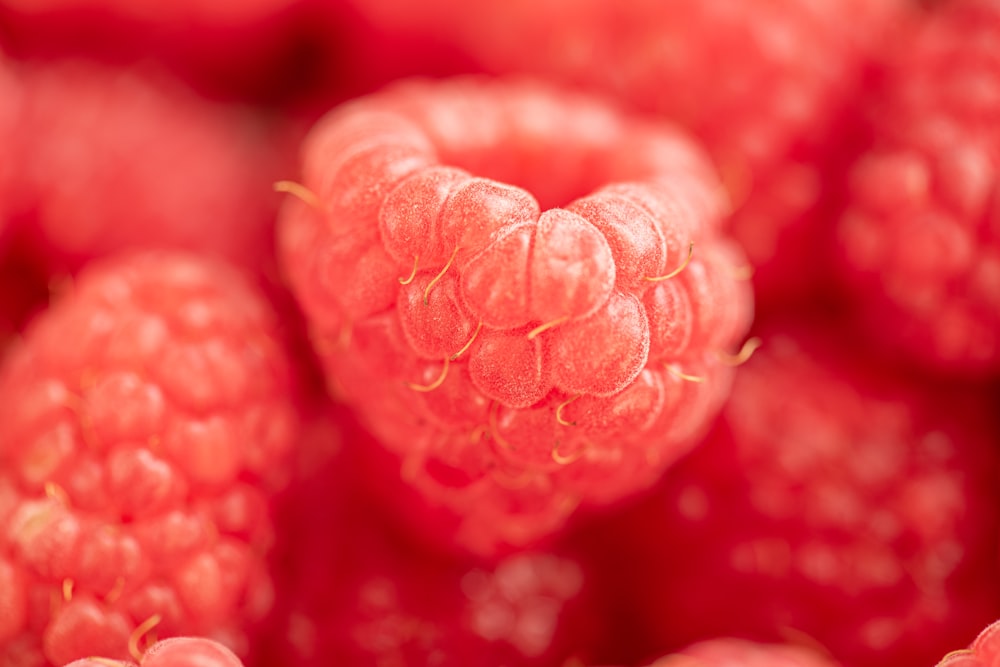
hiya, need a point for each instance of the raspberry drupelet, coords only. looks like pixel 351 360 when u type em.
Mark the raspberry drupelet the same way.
pixel 920 239
pixel 520 361
pixel 144 421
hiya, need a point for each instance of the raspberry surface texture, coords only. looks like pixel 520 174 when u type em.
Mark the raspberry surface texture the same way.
pixel 763 83
pixel 520 360
pixel 842 508
pixel 112 158
pixel 145 419
pixel 921 235
pixel 984 651
pixel 358 592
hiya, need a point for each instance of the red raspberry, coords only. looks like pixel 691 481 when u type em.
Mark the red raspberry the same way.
pixel 144 420
pixel 111 159
pixel 763 83
pixel 921 236
pixel 828 503
pixel 984 651
pixel 174 652
pixel 356 593
pixel 743 653
pixel 519 361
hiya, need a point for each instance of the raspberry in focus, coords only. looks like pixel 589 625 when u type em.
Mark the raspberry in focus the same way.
pixel 519 361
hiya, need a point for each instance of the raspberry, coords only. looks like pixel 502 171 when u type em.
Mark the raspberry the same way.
pixel 850 509
pixel 112 159
pixel 10 109
pixel 743 653
pixel 174 652
pixel 358 593
pixel 136 461
pixel 920 238
pixel 764 84
pixel 984 651
pixel 494 345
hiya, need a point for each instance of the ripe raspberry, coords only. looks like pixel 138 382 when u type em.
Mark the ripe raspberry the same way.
pixel 111 159
pixel 921 236
pixel 356 593
pixel 143 421
pixel 174 652
pixel 518 361
pixel 742 653
pixel 763 83
pixel 984 651
pixel 838 505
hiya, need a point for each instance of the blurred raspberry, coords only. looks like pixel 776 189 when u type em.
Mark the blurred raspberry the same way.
pixel 520 362
pixel 111 159
pixel 921 236
pixel 831 505
pixel 144 421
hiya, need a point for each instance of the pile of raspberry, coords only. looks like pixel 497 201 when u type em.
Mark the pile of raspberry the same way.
pixel 537 334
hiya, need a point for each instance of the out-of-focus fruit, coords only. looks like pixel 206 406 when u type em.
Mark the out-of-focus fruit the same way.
pixel 144 421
